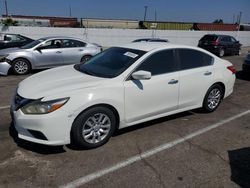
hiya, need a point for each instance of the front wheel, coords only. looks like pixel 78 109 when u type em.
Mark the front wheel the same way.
pixel 21 66
pixel 93 127
pixel 213 98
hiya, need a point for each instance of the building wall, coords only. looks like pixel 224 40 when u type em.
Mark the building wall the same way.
pixel 111 37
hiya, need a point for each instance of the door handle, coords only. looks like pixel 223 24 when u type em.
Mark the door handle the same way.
pixel 80 50
pixel 207 73
pixel 173 81
pixel 58 52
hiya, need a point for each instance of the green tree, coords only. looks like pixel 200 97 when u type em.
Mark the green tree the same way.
pixel 218 21
pixel 9 22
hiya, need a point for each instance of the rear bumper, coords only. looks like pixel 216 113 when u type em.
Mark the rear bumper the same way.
pixel 212 49
pixel 246 66
pixel 4 68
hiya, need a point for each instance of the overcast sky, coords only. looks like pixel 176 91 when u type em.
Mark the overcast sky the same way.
pixel 167 10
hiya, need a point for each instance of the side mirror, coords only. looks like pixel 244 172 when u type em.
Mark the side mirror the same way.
pixel 141 75
pixel 39 49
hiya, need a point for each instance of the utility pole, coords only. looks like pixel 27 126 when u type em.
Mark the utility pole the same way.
pixel 70 11
pixel 145 13
pixel 239 20
pixel 155 16
pixel 6 8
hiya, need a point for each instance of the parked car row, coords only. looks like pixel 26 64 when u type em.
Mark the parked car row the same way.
pixel 57 51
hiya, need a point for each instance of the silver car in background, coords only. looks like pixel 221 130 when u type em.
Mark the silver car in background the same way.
pixel 46 53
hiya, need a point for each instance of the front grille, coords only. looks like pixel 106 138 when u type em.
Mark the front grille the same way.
pixel 20 101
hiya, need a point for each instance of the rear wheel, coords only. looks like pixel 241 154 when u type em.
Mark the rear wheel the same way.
pixel 86 58
pixel 221 52
pixel 213 98
pixel 21 66
pixel 93 127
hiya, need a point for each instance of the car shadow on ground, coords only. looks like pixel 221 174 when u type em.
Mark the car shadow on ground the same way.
pixel 152 122
pixel 37 148
pixel 46 150
pixel 240 166
pixel 241 75
pixel 140 126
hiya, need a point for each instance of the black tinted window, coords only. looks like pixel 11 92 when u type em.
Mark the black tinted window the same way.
pixel 209 38
pixel 192 59
pixel 68 43
pixel 159 63
pixel 226 39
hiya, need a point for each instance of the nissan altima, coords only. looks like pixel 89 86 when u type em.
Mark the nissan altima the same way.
pixel 46 53
pixel 122 86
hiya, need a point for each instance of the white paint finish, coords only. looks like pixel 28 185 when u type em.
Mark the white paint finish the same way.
pixel 150 97
pixel 111 37
pixel 4 107
pixel 192 79
pixel 157 99
pixel 98 174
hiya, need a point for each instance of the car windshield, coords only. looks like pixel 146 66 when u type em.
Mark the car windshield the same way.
pixel 32 44
pixel 111 62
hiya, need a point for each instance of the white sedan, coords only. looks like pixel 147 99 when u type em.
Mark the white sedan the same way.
pixel 120 87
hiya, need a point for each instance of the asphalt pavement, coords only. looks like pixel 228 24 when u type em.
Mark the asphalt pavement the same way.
pixel 190 149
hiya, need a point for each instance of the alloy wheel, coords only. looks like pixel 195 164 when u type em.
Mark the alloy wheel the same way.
pixel 214 98
pixel 96 128
pixel 21 67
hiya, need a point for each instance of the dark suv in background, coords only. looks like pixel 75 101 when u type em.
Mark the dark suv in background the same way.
pixel 220 44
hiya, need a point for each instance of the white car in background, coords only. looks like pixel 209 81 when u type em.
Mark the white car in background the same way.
pixel 120 87
pixel 46 53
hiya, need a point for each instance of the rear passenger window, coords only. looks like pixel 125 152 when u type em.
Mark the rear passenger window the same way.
pixel 159 63
pixel 193 59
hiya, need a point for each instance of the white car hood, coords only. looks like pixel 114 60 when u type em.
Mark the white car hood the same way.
pixel 57 80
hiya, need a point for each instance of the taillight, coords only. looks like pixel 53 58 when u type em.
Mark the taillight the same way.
pixel 232 69
pixel 215 42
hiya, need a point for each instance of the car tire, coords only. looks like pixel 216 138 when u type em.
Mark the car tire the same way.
pixel 93 127
pixel 85 58
pixel 213 98
pixel 221 52
pixel 21 66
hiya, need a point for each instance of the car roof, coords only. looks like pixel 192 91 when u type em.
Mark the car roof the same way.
pixel 60 37
pixel 218 35
pixel 150 39
pixel 149 46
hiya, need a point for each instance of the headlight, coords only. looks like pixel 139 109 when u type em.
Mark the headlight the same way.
pixel 43 107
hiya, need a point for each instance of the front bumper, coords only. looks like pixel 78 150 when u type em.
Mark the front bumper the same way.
pixel 4 68
pixel 48 129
